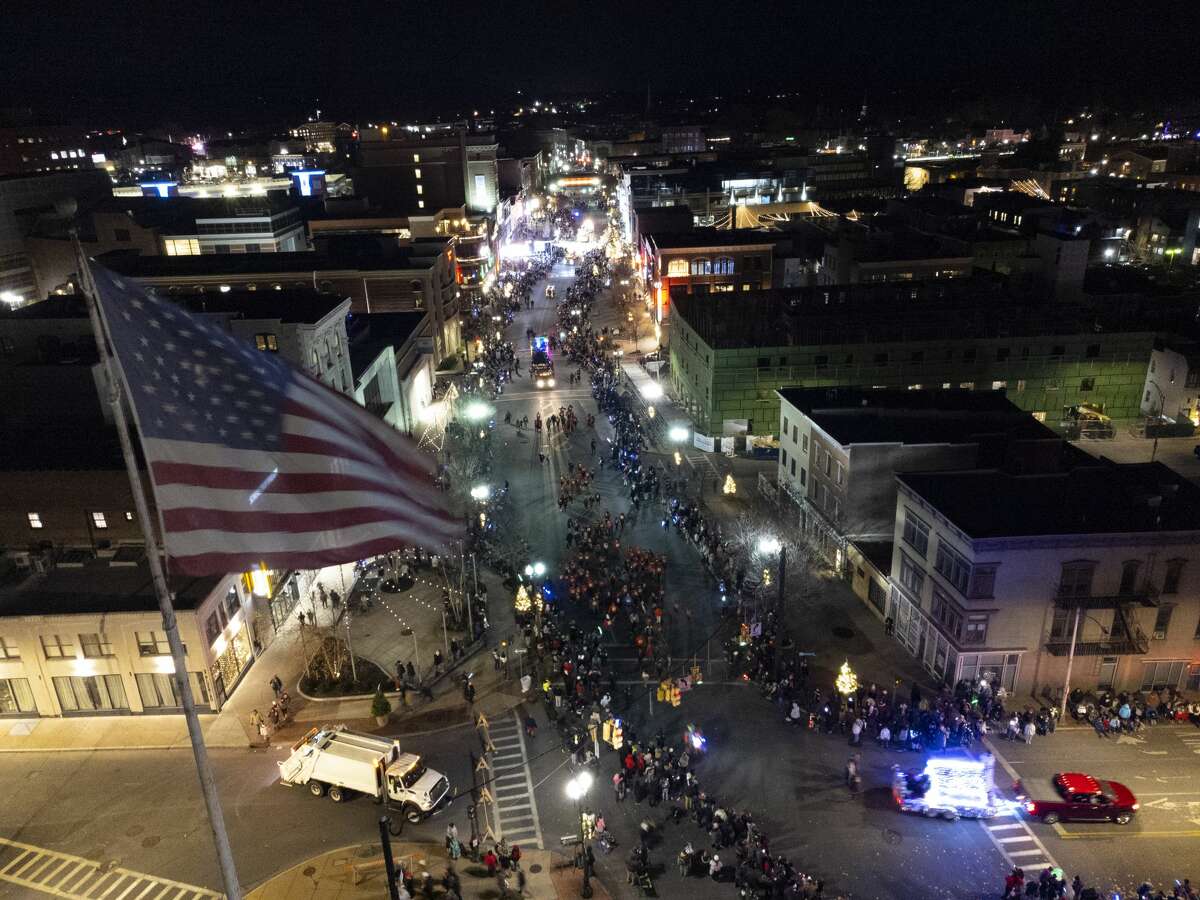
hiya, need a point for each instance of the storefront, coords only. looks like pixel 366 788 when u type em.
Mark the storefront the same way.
pixel 230 643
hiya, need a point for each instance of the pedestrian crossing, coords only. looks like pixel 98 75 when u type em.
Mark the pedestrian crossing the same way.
pixel 1017 843
pixel 76 878
pixel 516 813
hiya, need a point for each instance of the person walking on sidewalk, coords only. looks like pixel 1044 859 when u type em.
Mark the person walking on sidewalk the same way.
pixel 276 685
pixel 258 725
pixel 437 662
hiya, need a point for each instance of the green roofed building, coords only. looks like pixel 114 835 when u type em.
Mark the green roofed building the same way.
pixel 729 353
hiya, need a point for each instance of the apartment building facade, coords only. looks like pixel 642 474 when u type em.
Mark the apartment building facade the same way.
pixel 1014 578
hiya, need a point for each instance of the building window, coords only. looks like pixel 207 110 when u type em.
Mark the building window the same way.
pixel 785 426
pixel 821 361
pixel 1001 354
pixel 1160 675
pixel 793 467
pixel 803 477
pixel 1162 621
pixel 417 172
pixel 764 362
pixel 841 474
pixel 1058 350
pixel 159 691
pixel 35 520
pixel 121 235
pixel 1173 574
pixel 946 614
pixel 152 643
pixel 952 567
pixel 969 354
pixel 723 265
pixel 911 575
pixel 1086 385
pixel 8 649
pixel 967 385
pixel 1020 385
pixel 701 266
pixel 417 159
pixel 55 646
pixel 95 645
pixel 677 268
pixel 1093 351
pixel 90 693
pixel 983 582
pixel 15 696
pixel 975 631
pixel 804 442
pixel 182 247
pixel 267 341
pixel 420 189
pixel 1076 579
pixel 1129 574
pixel 99 520
pixel 916 533
pixel 420 204
pixel 783 456
pixel 128 516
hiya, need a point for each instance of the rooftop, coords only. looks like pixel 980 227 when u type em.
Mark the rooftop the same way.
pixel 289 305
pixel 877 553
pixel 62 449
pixel 864 416
pixel 99 586
pixel 1108 498
pixel 980 306
pixel 710 237
pixel 338 257
pixel 370 333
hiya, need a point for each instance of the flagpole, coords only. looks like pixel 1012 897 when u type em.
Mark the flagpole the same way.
pixel 208 785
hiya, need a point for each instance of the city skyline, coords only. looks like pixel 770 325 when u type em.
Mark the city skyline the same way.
pixel 221 64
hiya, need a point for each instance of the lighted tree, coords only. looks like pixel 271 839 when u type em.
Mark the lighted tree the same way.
pixel 847 681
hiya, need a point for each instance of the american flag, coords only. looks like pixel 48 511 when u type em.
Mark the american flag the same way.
pixel 253 461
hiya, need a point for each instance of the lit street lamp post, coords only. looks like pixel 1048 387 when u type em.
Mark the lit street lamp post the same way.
pixel 577 789
pixel 770 546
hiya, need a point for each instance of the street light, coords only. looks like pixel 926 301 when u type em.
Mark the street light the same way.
pixel 537 569
pixel 769 545
pixel 577 789
pixel 477 411
pixel 678 433
pixel 481 492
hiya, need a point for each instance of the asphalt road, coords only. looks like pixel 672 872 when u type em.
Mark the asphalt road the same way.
pixel 1162 768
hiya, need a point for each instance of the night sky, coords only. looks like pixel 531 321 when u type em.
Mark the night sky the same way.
pixel 199 63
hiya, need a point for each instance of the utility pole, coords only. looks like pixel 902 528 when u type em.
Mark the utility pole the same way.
pixel 1071 660
pixel 779 602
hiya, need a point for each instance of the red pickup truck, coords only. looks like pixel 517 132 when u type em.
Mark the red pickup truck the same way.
pixel 1080 797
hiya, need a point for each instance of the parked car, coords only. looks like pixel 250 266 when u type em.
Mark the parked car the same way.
pixel 1076 796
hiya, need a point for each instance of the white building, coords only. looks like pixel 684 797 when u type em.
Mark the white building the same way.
pixel 86 638
pixel 998 576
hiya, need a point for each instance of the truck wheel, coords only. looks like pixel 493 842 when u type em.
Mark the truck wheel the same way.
pixel 316 789
pixel 412 814
pixel 338 794
pixel 1123 818
pixel 1050 818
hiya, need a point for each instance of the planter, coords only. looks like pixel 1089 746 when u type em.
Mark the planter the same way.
pixel 381 720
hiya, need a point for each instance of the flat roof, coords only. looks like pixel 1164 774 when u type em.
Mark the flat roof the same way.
pixel 863 416
pixel 370 333
pixel 63 449
pixel 419 257
pixel 877 553
pixel 1108 498
pixel 290 305
pixel 98 586
pixel 710 237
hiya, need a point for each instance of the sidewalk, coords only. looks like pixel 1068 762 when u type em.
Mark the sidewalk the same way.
pixel 331 876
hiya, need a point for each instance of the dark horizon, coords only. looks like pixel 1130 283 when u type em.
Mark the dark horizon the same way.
pixel 214 64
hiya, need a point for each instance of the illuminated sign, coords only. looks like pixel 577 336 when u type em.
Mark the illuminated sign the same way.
pixel 160 189
pixel 579 181
pixel 309 182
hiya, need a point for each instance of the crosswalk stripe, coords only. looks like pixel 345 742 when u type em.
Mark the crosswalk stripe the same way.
pixel 1025 853
pixel 1004 827
pixel 76 878
pixel 1015 840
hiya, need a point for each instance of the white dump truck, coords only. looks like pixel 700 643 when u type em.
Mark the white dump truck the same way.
pixel 342 763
